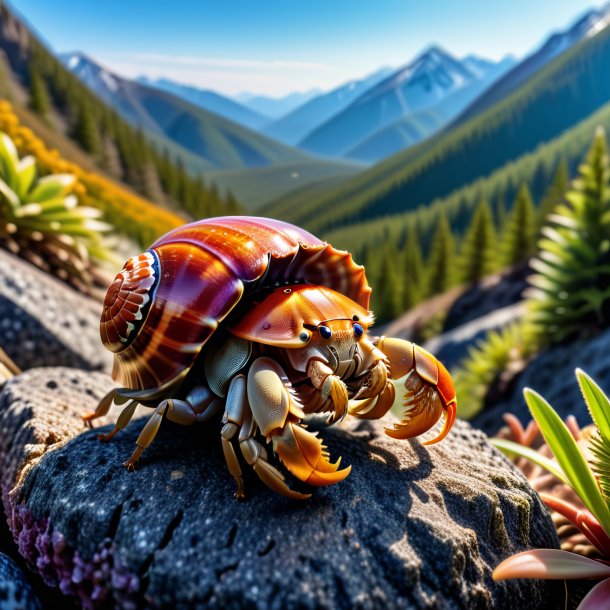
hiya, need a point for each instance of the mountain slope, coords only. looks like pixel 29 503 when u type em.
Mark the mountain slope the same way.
pixel 565 91
pixel 67 116
pixel 222 143
pixel 417 126
pixel 294 126
pixel 256 187
pixel 211 101
pixel 432 78
pixel 557 43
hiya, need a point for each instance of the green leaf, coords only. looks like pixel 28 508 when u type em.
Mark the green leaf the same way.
pixel 9 195
pixel 597 402
pixel 550 564
pixel 8 161
pixel 511 449
pixel 50 187
pixel 26 170
pixel 568 455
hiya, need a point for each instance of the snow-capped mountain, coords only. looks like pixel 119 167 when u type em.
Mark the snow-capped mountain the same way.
pixel 294 126
pixel 171 120
pixel 435 80
pixel 590 24
pixel 90 73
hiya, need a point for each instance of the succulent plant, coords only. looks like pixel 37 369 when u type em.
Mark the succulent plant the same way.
pixel 581 462
pixel 41 220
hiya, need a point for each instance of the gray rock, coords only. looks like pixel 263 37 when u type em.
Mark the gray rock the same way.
pixel 452 346
pixel 552 375
pixel 15 591
pixel 490 294
pixel 45 322
pixel 411 527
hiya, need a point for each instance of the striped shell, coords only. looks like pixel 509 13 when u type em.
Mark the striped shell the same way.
pixel 165 304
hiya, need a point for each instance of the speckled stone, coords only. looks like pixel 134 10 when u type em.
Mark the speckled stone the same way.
pixel 15 591
pixel 45 322
pixel 411 527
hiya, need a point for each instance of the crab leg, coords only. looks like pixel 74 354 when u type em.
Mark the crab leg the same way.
pixel 122 421
pixel 277 415
pixel 428 392
pixel 179 411
pixel 102 408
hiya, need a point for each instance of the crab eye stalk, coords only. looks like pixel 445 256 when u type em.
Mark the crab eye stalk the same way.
pixel 325 332
pixel 305 336
pixel 358 330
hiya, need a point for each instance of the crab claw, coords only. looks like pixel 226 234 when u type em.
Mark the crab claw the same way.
pixel 305 457
pixel 429 393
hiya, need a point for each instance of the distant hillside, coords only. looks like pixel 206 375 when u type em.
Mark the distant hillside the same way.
pixel 435 82
pixel 256 187
pixel 565 91
pixel 49 99
pixel 222 143
pixel 294 126
pixel 535 169
pixel 276 107
pixel 557 43
pixel 208 100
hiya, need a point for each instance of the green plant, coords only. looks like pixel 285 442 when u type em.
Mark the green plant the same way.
pixel 586 471
pixel 519 239
pixel 41 221
pixel 478 251
pixel 570 291
pixel 487 360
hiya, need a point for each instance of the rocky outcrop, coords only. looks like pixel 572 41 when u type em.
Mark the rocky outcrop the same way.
pixel 411 527
pixel 551 373
pixel 452 346
pixel 495 292
pixel 45 322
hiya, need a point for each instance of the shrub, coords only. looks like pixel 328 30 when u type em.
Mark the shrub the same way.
pixel 41 221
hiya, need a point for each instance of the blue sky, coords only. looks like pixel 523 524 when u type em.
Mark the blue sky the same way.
pixel 274 47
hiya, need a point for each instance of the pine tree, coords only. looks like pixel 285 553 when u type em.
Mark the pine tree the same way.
pixel 570 292
pixel 86 131
pixel 556 191
pixel 39 96
pixel 413 270
pixel 477 257
pixel 519 240
pixel 389 301
pixel 440 267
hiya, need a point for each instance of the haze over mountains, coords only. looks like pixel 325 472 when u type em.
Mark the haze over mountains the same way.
pixel 222 143
pixel 295 142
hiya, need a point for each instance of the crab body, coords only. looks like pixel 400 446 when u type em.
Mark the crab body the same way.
pixel 260 320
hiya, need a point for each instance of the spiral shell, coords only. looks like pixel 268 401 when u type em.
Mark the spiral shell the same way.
pixel 165 304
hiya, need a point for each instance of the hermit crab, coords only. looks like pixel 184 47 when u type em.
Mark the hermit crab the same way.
pixel 261 321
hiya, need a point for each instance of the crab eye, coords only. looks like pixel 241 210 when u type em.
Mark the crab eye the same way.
pixel 325 332
pixel 304 336
pixel 358 330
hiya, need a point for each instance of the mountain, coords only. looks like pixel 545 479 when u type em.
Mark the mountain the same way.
pixel 421 124
pixel 295 125
pixel 562 93
pixel 222 143
pixel 588 25
pixel 117 159
pixel 276 107
pixel 435 80
pixel 209 100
